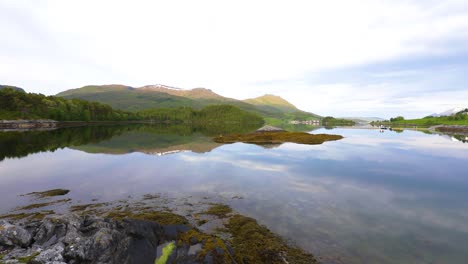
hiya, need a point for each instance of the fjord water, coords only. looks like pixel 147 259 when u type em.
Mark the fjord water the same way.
pixel 369 198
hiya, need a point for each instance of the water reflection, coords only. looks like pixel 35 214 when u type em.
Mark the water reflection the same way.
pixel 117 139
pixel 369 198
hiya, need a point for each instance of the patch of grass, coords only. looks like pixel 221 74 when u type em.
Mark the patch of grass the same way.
pixel 166 252
pixel 254 243
pixel 219 210
pixel 39 205
pixel 277 138
pixel 49 193
pixel 162 218
pixel 28 259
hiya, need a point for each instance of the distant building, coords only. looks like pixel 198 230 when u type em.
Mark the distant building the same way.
pixel 306 122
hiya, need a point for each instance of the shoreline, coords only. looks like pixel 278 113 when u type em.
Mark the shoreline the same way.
pixel 45 125
pixel 200 230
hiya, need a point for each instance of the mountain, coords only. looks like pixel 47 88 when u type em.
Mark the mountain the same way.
pixel 200 93
pixel 269 101
pixel 162 96
pixel 362 119
pixel 2 86
pixel 449 112
pixel 129 98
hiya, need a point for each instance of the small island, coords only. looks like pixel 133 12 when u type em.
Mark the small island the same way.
pixel 274 135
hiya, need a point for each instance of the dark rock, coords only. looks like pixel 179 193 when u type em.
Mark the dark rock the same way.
pixel 50 255
pixel 269 128
pixel 193 240
pixel 171 231
pixel 85 239
pixel 219 251
pixel 208 259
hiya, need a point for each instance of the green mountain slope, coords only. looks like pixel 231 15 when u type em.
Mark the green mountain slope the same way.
pixel 269 101
pixel 161 96
pixel 3 86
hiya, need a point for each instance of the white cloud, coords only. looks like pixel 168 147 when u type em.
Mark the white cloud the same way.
pixel 228 47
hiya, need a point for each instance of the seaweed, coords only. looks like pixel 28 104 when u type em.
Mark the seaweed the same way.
pixel 48 193
pixel 32 216
pixel 162 218
pixel 39 205
pixel 254 243
pixel 219 210
pixel 277 137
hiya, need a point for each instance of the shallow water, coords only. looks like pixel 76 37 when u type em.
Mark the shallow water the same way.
pixel 369 198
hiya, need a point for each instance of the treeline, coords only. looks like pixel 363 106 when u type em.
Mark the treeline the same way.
pixel 460 118
pixel 19 105
pixel 21 144
pixel 208 114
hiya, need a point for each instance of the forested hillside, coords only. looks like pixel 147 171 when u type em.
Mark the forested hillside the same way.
pixel 159 96
pixel 20 105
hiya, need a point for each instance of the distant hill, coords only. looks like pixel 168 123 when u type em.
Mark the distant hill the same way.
pixel 162 96
pixel 2 86
pixel 361 119
pixel 272 101
pixel 449 112
pixel 200 93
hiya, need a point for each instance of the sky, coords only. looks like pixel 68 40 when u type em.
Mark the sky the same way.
pixel 340 58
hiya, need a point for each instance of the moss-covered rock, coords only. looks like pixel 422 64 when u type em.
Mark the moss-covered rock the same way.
pixel 163 218
pixel 49 193
pixel 254 243
pixel 219 210
pixel 31 216
pixel 39 205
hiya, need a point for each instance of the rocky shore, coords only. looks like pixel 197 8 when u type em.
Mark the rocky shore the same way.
pixel 149 230
pixel 450 129
pixel 89 239
pixel 27 124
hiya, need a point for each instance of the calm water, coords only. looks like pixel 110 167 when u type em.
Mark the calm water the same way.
pixel 369 198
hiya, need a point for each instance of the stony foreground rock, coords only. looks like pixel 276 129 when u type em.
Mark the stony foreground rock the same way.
pixel 89 239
